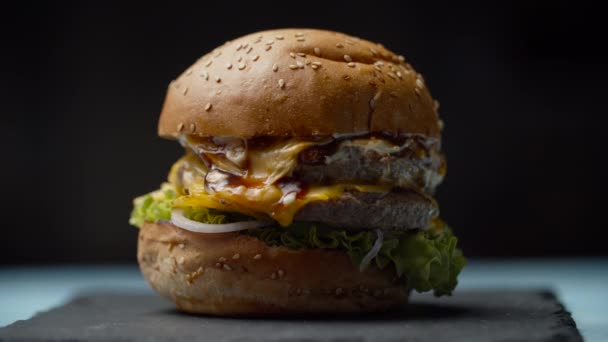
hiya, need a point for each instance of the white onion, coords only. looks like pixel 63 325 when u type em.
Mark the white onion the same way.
pixel 178 219
pixel 372 252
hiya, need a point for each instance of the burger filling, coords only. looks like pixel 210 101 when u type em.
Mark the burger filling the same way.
pixel 370 196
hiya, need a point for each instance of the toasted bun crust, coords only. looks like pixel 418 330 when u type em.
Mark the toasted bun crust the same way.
pixel 298 82
pixel 234 274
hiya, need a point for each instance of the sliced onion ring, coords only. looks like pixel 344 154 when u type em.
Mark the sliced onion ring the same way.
pixel 372 252
pixel 178 219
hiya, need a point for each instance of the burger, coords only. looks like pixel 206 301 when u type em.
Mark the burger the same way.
pixel 306 185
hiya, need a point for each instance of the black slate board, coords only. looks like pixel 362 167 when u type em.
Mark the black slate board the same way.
pixel 513 315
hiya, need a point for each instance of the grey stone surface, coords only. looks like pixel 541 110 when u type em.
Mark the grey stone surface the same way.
pixel 510 315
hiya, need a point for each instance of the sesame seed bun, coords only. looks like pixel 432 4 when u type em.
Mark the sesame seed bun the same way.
pixel 298 82
pixel 234 274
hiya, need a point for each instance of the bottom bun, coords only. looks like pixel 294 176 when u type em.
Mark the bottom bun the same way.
pixel 235 274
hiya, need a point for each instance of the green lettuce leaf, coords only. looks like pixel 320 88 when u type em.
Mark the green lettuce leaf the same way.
pixel 429 260
pixel 153 206
pixel 156 206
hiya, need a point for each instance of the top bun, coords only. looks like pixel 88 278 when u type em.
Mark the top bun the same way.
pixel 298 82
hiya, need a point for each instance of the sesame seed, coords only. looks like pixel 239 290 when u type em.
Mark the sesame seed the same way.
pixel 314 66
pixel 275 68
pixel 222 259
pixel 256 57
pixel 377 67
pixel 373 51
pixel 217 264
pixel 180 127
pixel 219 53
pixel 301 54
pixel 245 45
pixel 401 58
pixel 338 45
pixel 268 47
pixel 307 62
pixel 372 104
pixel 348 58
pixel 399 74
pixel 185 91
pixel 281 83
pixel 292 55
pixel 249 50
pixel 316 63
pixel 417 91
pixel 380 63
pixel 227 267
pixel 218 79
pixel 419 83
pixel 189 72
pixel 229 66
pixel 317 51
pixel 208 63
pixel 270 42
pixel 205 75
pixel 301 39
pixel 181 245
pixel 391 75
pixel 273 275
pixel 279 37
pixel 281 273
pixel 293 66
pixel 435 104
pixel 240 59
pixel 236 256
pixel 218 92
pixel 243 65
pixel 393 94
pixel 299 34
pixel 351 64
pixel 339 291
pixel 180 260
pixel 192 127
pixel 208 107
pixel 346 77
pixel 300 64
pixel 239 46
pixel 257 257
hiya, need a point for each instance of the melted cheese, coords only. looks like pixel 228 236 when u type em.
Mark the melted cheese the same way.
pixel 275 161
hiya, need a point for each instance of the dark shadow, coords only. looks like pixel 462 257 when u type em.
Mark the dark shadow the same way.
pixel 413 312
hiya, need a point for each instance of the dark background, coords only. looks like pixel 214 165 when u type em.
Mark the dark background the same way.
pixel 522 89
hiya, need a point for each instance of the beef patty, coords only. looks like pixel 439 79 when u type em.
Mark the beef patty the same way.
pixel 372 210
pixel 355 164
